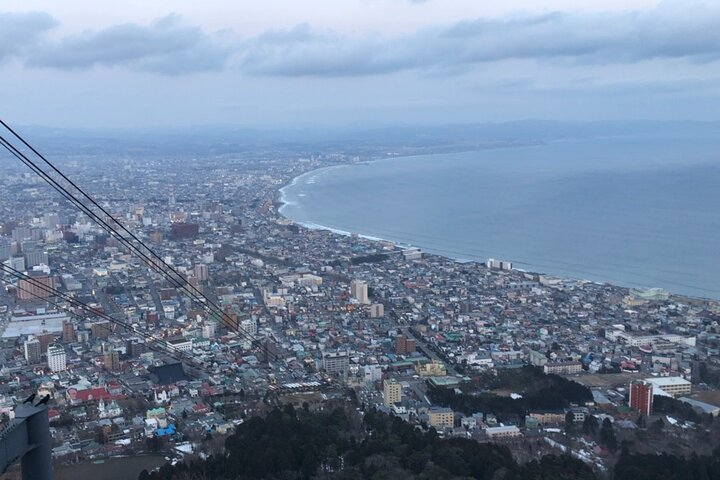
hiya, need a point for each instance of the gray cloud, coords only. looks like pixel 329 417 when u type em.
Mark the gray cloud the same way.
pixel 676 29
pixel 304 51
pixel 20 31
pixel 164 47
pixel 673 30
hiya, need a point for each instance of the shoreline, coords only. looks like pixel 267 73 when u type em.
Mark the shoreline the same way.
pixel 282 201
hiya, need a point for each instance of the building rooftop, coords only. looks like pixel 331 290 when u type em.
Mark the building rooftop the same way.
pixel 667 381
pixel 167 374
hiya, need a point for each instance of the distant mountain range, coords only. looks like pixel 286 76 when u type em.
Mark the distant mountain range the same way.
pixel 226 139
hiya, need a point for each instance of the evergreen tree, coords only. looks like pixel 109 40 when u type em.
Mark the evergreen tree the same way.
pixel 590 425
pixel 287 444
pixel 569 423
pixel 658 425
pixel 607 435
pixel 641 421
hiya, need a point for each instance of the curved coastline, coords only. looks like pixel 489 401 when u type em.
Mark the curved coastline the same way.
pixel 281 190
pixel 455 256
pixel 284 202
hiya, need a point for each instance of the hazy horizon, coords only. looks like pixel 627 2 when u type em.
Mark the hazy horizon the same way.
pixel 597 126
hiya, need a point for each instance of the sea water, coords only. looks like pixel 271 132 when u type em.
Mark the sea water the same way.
pixel 637 211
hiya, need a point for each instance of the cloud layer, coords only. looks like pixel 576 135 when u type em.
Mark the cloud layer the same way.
pixel 602 38
pixel 674 30
pixel 165 47
pixel 20 30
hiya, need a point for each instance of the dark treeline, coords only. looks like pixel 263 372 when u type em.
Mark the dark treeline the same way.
pixel 709 374
pixel 676 408
pixel 540 392
pixel 372 258
pixel 289 444
pixel 668 467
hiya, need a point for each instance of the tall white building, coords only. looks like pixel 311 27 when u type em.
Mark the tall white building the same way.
pixel 248 326
pixel 501 264
pixel 674 386
pixel 209 329
pixel 35 257
pixel 57 360
pixel 17 262
pixel 359 291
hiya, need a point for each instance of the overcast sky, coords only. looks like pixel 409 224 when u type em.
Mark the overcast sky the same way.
pixel 106 63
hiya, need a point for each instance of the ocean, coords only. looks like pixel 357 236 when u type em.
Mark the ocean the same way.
pixel 634 211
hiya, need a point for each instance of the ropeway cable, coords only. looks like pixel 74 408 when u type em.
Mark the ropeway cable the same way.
pixel 158 263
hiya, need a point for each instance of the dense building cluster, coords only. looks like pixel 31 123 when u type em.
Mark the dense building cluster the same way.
pixel 309 315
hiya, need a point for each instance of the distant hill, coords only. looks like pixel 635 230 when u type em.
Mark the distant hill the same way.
pixel 226 139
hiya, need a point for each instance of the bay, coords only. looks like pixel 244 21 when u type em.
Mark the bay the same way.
pixel 636 211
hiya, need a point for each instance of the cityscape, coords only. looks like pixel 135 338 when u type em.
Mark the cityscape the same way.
pixel 360 240
pixel 313 319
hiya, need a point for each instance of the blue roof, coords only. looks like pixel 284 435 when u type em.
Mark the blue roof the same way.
pixel 170 430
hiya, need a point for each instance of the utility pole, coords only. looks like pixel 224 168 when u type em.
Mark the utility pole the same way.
pixel 27 438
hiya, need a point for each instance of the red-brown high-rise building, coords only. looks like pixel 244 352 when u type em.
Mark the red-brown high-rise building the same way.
pixel 101 329
pixel 400 345
pixel 641 397
pixel 403 345
pixel 38 287
pixel 112 361
pixel 45 339
pixel 68 332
